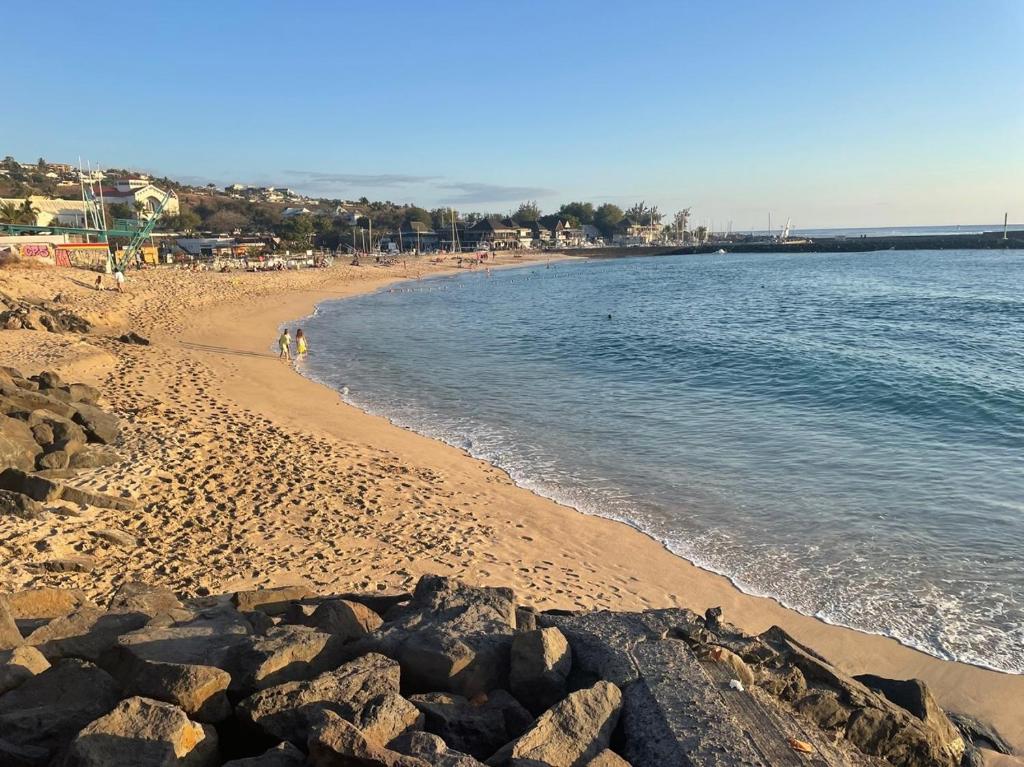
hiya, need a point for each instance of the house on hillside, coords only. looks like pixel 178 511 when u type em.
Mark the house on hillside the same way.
pixel 293 212
pixel 131 191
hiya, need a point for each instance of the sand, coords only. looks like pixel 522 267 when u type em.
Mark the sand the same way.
pixel 250 474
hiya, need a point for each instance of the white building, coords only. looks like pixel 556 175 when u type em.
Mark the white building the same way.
pixel 137 190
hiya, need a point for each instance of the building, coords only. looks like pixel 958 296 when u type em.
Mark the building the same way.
pixel 293 212
pixel 493 234
pixel 633 233
pixel 50 212
pixel 132 191
pixel 415 235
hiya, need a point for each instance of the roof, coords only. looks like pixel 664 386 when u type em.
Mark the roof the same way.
pixel 417 226
pixel 48 205
pixel 490 225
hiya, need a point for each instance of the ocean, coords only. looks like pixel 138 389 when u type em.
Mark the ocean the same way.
pixel 842 432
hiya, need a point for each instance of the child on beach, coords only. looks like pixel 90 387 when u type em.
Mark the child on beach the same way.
pixel 300 343
pixel 285 342
pixel 119 279
pixel 99 282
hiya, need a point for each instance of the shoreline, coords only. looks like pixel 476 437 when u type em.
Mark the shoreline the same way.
pixel 490 531
pixel 539 492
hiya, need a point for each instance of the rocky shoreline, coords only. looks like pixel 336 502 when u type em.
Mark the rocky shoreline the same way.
pixel 447 675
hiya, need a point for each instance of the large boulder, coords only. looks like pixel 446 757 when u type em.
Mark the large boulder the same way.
pixel 19 664
pixel 914 696
pixel 283 654
pixel 35 487
pixel 19 400
pixel 284 711
pixel 99 425
pixel 45 602
pixel 17 505
pixel 136 596
pixel 449 637
pixel 199 691
pixel 570 734
pixel 45 712
pixel 66 434
pixel 385 718
pixel 479 727
pixel 346 620
pixel 144 733
pixel 335 742
pixel 18 446
pixel 541 661
pixel 86 633
pixel 273 601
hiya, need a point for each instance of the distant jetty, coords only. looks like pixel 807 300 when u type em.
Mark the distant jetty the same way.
pixel 741 244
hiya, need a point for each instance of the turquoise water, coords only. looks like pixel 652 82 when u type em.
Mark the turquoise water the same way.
pixel 843 432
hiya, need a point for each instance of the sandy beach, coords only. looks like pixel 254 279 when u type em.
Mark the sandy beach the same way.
pixel 251 475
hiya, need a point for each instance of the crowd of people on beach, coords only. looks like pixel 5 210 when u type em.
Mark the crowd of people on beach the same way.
pixel 285 344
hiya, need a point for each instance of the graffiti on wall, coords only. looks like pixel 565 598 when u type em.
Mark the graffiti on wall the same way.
pixel 84 255
pixel 41 250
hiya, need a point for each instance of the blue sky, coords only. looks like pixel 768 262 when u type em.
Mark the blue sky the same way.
pixel 834 114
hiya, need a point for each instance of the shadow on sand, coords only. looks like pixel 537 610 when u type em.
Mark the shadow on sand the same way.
pixel 226 350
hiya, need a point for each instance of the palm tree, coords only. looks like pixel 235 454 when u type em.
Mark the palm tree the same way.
pixel 12 213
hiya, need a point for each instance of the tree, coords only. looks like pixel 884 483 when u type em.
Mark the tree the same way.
pixel 419 215
pixel 583 212
pixel 641 214
pixel 226 221
pixel 119 210
pixel 13 213
pixel 527 212
pixel 607 217
pixel 701 233
pixel 295 229
pixel 681 219
pixel 441 219
pixel 41 164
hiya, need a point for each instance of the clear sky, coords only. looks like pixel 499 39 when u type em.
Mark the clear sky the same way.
pixel 833 113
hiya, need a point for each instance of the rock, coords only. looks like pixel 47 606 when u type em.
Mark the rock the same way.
pixel 569 734
pixel 477 728
pixel 86 633
pixel 58 459
pixel 541 661
pixel 67 435
pixel 18 446
pixel 24 400
pixel 450 637
pixel 42 434
pixel 99 426
pixel 10 636
pixel 131 337
pixel 47 710
pixel 281 755
pixel 36 488
pixel 980 734
pixel 81 392
pixel 384 719
pixel 914 696
pixel 346 620
pixel 115 537
pixel 608 758
pixel 94 456
pixel 18 505
pixel 45 602
pixel 48 379
pixel 283 711
pixel 99 500
pixel 824 709
pixel 19 664
pixel 271 601
pixel 284 654
pixel 199 691
pixel 136 596
pixel 334 742
pixel 526 619
pixel 432 750
pixel 144 733
pixel 74 563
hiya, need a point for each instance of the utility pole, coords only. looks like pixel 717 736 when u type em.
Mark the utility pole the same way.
pixel 1006 217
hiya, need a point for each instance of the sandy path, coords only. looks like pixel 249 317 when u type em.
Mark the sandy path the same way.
pixel 251 474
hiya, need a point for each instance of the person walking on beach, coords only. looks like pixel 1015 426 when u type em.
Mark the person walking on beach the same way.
pixel 300 343
pixel 285 342
pixel 119 279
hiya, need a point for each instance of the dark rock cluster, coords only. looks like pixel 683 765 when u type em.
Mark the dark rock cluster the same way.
pixel 49 430
pixel 449 675
pixel 19 314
